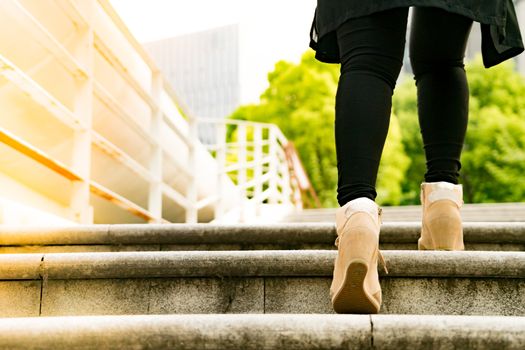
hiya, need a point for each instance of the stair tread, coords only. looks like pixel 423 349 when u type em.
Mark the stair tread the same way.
pixel 165 280
pixel 493 212
pixel 253 263
pixel 255 331
pixel 277 233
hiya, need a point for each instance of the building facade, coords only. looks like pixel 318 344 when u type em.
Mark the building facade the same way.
pixel 204 69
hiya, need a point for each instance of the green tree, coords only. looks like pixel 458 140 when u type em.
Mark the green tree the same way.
pixel 404 105
pixel 494 154
pixel 300 100
pixel 493 157
pixel 393 166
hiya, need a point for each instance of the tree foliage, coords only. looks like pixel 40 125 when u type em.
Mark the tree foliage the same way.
pixel 493 157
pixel 494 152
pixel 300 99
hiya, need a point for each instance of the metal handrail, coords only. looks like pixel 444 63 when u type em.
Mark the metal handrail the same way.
pixel 276 177
pixel 168 115
pixel 45 38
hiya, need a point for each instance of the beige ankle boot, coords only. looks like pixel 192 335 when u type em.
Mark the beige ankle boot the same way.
pixel 441 227
pixel 355 286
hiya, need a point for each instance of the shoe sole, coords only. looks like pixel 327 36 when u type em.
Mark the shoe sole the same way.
pixel 421 246
pixel 352 297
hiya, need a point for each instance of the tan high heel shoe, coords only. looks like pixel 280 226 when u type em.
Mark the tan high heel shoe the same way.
pixel 355 286
pixel 441 227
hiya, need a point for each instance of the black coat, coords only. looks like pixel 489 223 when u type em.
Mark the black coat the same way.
pixel 500 32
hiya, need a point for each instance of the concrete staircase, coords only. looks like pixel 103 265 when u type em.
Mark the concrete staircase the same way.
pixel 205 286
pixel 469 212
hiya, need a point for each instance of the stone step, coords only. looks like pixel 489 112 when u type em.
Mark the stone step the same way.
pixel 469 212
pixel 264 281
pixel 508 236
pixel 276 331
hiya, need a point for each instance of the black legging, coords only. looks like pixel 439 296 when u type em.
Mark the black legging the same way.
pixel 371 49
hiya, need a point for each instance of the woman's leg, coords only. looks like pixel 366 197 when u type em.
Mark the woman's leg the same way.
pixel 437 48
pixel 371 51
pixel 438 41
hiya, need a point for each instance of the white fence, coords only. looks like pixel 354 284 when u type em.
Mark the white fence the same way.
pixel 257 158
pixel 90 132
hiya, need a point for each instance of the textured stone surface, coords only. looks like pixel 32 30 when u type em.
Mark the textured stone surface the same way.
pixel 516 247
pixel 19 298
pixel 448 332
pixel 261 246
pixel 265 332
pixel 166 234
pixel 297 295
pixel 188 247
pixel 45 249
pixel 276 263
pixel 233 332
pixel 20 267
pixel 493 212
pixel 154 275
pixel 187 264
pixel 37 235
pixel 455 263
pixel 277 295
pixel 290 281
pixel 405 296
pixel 453 296
pixel 95 297
pixel 495 247
pixel 184 247
pixel 207 295
pixel 152 296
pixel 252 263
pixel 241 236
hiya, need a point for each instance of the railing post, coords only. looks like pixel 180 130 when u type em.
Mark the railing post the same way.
pixel 155 163
pixel 257 174
pixel 287 188
pixel 191 193
pixel 82 211
pixel 272 139
pixel 241 172
pixel 220 158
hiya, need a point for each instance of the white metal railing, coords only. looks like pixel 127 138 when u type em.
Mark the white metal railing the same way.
pixel 101 117
pixel 255 157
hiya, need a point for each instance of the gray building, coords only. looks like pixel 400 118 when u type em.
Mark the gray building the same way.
pixel 204 69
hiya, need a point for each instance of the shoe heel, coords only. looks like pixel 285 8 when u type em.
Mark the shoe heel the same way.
pixel 446 232
pixel 358 250
pixel 352 297
pixel 420 245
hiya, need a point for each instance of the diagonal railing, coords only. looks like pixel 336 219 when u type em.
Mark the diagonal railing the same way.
pixel 103 138
pixel 253 155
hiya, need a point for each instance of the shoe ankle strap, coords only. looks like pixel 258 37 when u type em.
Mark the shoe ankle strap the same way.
pixel 440 194
pixel 435 191
pixel 380 220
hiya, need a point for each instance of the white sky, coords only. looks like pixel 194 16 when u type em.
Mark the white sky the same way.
pixel 274 29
